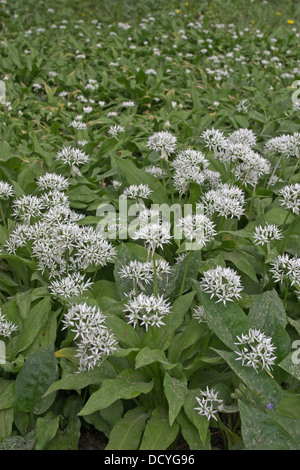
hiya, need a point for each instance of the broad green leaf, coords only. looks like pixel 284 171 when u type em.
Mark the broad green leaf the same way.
pixel 175 392
pixel 128 384
pixel 291 364
pixel 200 422
pixel 46 428
pixel 191 434
pixel 261 431
pixel 159 435
pixel 40 370
pixel 127 432
pixel 83 379
pixel 148 356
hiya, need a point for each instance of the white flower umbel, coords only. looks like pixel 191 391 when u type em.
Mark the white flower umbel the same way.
pixel 72 285
pixel 163 142
pixel 214 139
pixel 255 350
pixel 52 181
pixel 27 207
pixel 243 136
pixel 199 314
pixel 189 168
pixel 266 234
pixel 6 327
pixel 154 235
pixel 6 190
pixel 72 156
pixel 140 272
pixel 147 310
pixel 113 131
pixel 291 197
pixel 286 269
pixel 284 145
pixel 209 403
pixel 93 339
pixel 223 283
pixel 141 191
pixel 224 201
pixel 197 228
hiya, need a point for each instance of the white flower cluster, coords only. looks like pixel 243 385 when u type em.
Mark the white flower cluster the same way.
pixel 286 268
pixel 115 130
pixel 284 145
pixel 6 190
pixel 6 327
pixel 224 201
pixel 155 235
pixel 73 157
pixel 265 234
pixel 72 285
pixel 291 197
pixel 164 142
pixel 199 314
pixel 94 340
pixel 147 310
pixel 52 181
pixel 141 191
pixel 189 168
pixel 197 228
pixel 255 350
pixel 223 283
pixel 209 403
pixel 140 272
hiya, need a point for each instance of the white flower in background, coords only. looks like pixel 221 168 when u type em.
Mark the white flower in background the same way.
pixel 224 201
pixel 242 106
pixel 197 228
pixel 93 339
pixel 6 190
pixel 87 109
pixel 285 145
pixel 112 114
pixel 199 314
pixel 265 234
pixel 128 104
pixel 101 103
pixel 291 197
pixel 82 143
pixel 73 285
pixel 155 171
pixel 223 283
pixel 209 403
pixel 80 126
pixel 115 130
pixel 255 350
pixel 147 310
pixel 163 142
pixel 141 191
pixel 286 269
pixel 6 327
pixel 52 181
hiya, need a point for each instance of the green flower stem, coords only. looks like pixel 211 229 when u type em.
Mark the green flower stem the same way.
pixel 162 170
pixel 185 273
pixel 155 289
pixel 170 182
pixel 2 216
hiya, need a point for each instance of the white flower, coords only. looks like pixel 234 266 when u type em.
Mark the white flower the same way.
pixel 128 104
pixel 6 190
pixel 154 234
pixel 136 192
pixel 72 285
pixel 72 156
pixel 291 197
pixel 189 167
pixel 76 124
pixel 115 130
pixel 199 314
pixel 284 145
pixel 147 310
pixel 197 228
pixel 209 403
pixel 255 350
pixel 286 268
pixel 223 283
pixel 6 327
pixel 266 234
pixel 93 339
pixel 224 201
pixel 52 181
pixel 140 272
pixel 27 207
pixel 164 142
pixel 214 139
